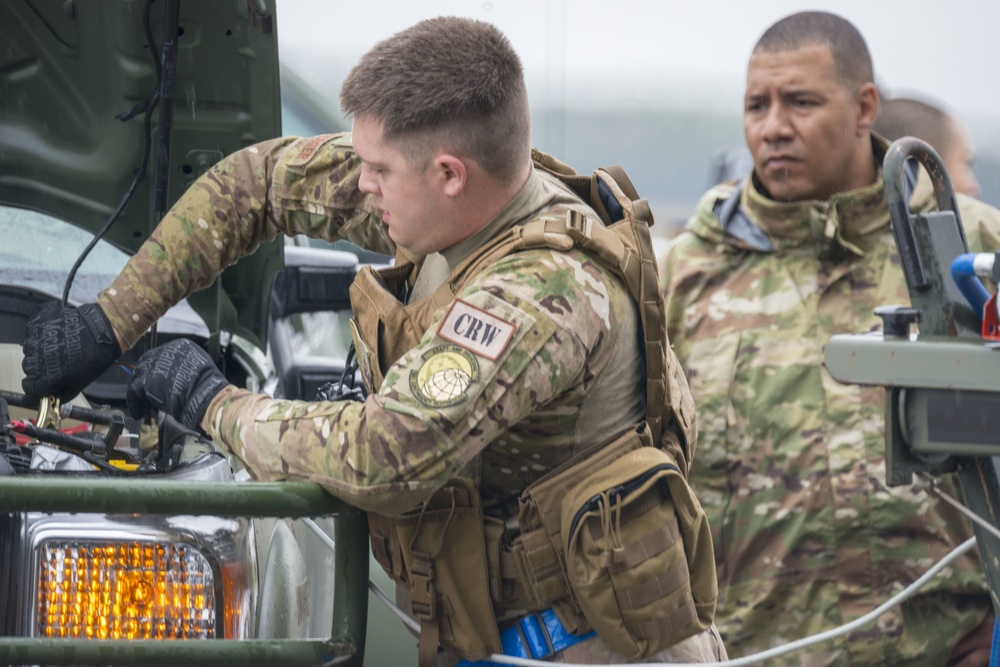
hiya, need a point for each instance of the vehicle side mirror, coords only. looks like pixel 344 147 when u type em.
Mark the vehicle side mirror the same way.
pixel 313 280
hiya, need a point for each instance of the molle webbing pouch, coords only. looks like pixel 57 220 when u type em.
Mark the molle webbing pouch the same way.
pixel 627 559
pixel 539 548
pixel 443 548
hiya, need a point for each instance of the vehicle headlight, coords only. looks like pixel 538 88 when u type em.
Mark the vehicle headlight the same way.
pixel 124 590
pixel 140 577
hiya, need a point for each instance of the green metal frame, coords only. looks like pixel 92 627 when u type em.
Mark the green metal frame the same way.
pixel 345 646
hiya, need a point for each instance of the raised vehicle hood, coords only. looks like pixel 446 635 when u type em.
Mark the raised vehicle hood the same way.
pixel 71 74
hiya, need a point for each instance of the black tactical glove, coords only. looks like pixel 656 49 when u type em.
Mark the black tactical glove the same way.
pixel 66 349
pixel 178 378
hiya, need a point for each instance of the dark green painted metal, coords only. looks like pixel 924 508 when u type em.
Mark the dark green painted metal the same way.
pixel 81 159
pixel 900 462
pixel 162 496
pixel 278 499
pixel 894 177
pixel 350 593
pixel 208 653
pixel 977 476
pixel 928 242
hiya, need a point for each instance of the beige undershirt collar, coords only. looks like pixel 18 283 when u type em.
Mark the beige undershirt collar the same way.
pixel 539 191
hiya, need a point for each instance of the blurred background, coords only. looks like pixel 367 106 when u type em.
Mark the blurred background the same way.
pixel 657 86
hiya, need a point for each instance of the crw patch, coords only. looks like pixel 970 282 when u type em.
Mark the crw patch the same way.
pixel 444 377
pixel 476 330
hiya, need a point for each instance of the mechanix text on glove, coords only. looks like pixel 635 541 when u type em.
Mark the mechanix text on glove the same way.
pixel 66 348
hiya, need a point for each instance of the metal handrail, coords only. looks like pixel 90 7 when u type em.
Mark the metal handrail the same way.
pixel 345 646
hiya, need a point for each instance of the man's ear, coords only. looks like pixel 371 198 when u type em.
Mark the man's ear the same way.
pixel 867 106
pixel 452 172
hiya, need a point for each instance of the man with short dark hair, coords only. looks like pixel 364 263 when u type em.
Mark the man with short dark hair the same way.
pixel 500 353
pixel 907 117
pixel 791 466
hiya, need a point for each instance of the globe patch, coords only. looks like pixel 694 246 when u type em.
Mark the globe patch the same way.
pixel 445 376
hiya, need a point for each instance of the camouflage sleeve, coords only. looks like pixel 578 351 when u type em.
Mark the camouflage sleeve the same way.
pixel 288 185
pixel 982 224
pixel 680 256
pixel 531 327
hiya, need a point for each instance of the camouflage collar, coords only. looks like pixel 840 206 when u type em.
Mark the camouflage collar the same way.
pixel 848 221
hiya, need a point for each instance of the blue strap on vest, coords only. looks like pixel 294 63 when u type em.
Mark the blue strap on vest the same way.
pixel 535 636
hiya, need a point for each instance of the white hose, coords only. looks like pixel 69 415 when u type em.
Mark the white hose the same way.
pixel 795 645
pixel 756 658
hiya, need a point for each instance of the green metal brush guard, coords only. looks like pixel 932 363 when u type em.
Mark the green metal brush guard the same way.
pixel 345 645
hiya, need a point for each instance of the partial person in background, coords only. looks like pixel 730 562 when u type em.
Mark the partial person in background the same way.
pixel 791 464
pixel 944 131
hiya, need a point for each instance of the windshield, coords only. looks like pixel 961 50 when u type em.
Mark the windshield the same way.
pixel 38 252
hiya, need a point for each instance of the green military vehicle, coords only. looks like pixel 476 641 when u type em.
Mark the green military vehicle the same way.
pixel 117 534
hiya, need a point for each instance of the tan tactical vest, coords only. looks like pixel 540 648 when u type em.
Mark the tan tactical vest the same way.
pixel 625 550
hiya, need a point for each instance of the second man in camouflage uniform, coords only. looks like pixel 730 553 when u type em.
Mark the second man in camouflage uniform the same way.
pixel 808 536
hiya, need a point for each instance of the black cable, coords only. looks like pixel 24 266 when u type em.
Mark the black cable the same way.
pixel 141 171
pixel 148 32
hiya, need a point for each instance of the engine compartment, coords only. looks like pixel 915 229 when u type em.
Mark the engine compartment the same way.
pixel 94 434
pixel 73 439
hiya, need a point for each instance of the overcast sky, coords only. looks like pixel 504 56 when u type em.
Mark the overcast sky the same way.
pixel 692 54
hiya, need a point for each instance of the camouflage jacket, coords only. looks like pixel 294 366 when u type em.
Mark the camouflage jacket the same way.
pixel 528 410
pixel 791 467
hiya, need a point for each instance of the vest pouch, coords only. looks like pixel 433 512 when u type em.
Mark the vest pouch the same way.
pixel 385 546
pixel 625 556
pixel 443 546
pixel 540 545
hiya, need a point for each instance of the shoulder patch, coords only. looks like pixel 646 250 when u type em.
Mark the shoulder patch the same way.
pixel 444 376
pixel 476 330
pixel 309 148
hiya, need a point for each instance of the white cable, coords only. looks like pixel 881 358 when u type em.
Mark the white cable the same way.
pixel 321 534
pixel 411 623
pixel 827 635
pixel 792 646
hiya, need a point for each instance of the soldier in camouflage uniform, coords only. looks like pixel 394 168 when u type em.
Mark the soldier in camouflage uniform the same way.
pixel 791 466
pixel 562 375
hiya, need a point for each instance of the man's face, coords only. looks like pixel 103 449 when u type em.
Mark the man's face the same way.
pixel 411 200
pixel 803 126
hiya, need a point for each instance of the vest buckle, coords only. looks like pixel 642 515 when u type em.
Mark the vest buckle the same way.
pixel 423 593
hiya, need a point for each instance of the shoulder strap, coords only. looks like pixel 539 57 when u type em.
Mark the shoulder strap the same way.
pixel 623 244
pixel 642 279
